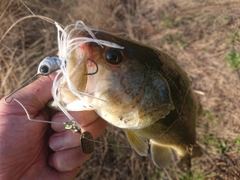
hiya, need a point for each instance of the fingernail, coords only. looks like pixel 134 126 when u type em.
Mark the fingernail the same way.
pixel 56 143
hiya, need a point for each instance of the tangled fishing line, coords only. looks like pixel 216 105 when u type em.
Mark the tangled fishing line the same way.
pixel 68 40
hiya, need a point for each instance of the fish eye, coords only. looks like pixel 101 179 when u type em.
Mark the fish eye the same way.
pixel 114 56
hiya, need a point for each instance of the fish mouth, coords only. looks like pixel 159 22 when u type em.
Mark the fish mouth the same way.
pixel 77 45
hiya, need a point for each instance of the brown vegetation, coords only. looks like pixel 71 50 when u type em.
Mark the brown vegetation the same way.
pixel 200 35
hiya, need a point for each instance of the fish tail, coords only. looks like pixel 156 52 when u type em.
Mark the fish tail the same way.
pixel 185 161
pixel 196 151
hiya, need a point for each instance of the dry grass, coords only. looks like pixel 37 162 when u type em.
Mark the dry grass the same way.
pixel 199 34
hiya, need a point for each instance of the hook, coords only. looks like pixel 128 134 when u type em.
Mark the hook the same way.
pixel 25 83
pixel 46 67
pixel 95 65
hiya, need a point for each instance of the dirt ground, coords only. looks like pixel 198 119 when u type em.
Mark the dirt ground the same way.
pixel 203 37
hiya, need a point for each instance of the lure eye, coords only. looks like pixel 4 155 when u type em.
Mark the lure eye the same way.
pixel 114 56
pixel 49 65
pixel 44 69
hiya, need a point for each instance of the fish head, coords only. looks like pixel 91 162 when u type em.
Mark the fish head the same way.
pixel 117 78
pixel 131 86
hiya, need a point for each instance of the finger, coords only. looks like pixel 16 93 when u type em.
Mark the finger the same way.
pixel 38 92
pixel 64 140
pixel 34 96
pixel 52 173
pixel 67 160
pixel 96 128
pixel 83 118
pixel 68 139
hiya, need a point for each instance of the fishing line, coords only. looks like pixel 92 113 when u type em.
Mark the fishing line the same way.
pixel 74 127
pixel 44 18
pixel 108 144
pixel 85 137
pixel 27 7
pixel 47 66
pixel 26 17
pixel 28 116
pixel 23 85
pixel 39 16
pixel 68 41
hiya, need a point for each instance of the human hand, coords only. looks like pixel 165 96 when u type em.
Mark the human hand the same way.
pixel 25 145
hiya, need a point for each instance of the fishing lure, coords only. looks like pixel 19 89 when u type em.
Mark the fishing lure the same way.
pixel 47 66
pixel 66 44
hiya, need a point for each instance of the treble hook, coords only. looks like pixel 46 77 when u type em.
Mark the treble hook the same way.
pixel 46 67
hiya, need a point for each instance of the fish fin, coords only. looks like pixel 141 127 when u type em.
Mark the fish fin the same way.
pixel 161 155
pixel 76 105
pixel 139 144
pixel 197 151
pixel 185 161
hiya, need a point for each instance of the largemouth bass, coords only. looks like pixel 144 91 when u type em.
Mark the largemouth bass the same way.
pixel 132 86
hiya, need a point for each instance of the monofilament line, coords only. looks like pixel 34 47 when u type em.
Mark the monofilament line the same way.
pixel 35 120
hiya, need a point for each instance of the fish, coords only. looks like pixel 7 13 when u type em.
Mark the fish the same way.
pixel 132 86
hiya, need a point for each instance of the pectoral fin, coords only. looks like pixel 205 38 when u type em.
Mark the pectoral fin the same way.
pixel 161 155
pixel 139 144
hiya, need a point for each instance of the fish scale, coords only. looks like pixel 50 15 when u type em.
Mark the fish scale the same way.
pixel 135 87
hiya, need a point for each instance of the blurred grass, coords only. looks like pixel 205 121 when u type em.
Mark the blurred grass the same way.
pixel 233 59
pixel 198 34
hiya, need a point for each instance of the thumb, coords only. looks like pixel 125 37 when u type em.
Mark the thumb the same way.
pixel 35 95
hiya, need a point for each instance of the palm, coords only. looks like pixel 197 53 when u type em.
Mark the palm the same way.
pixel 27 149
pixel 25 145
